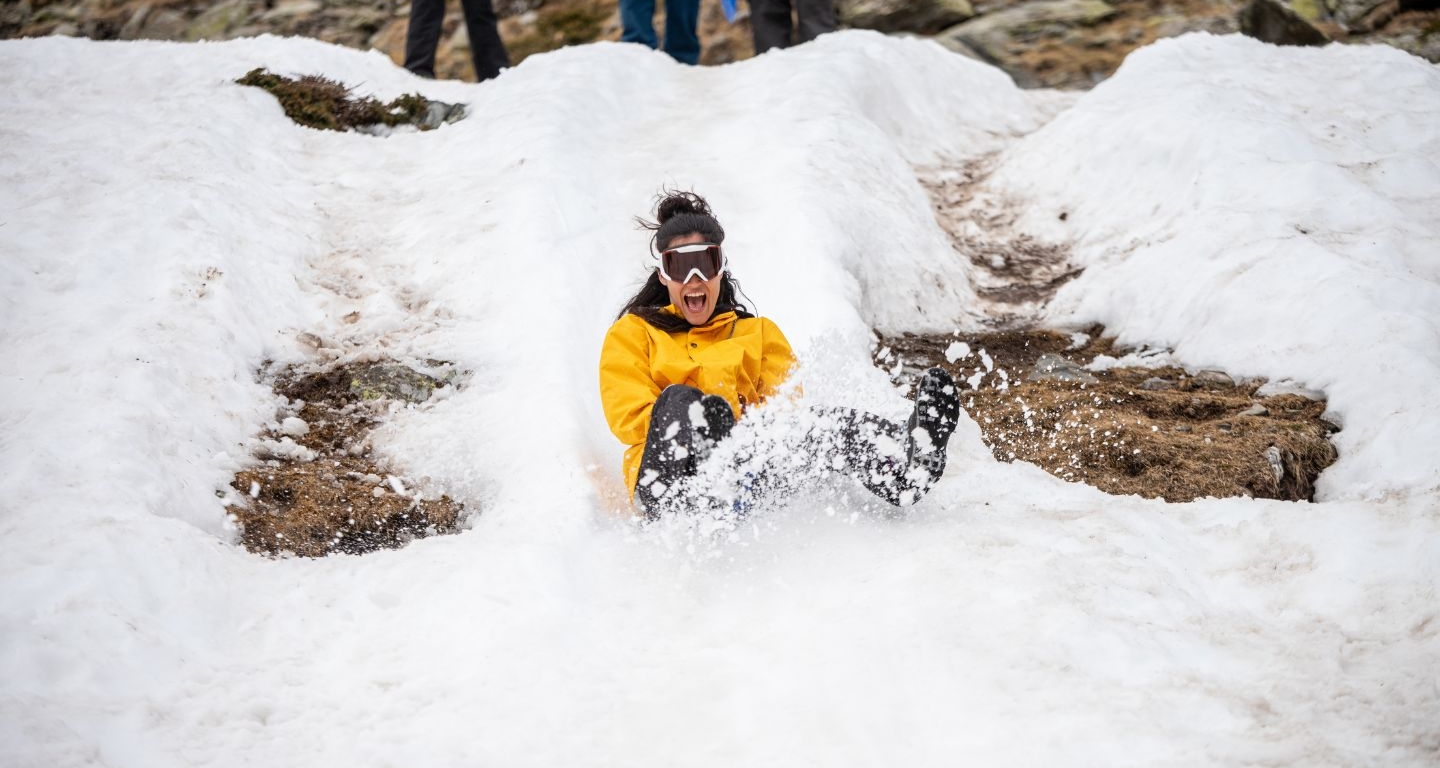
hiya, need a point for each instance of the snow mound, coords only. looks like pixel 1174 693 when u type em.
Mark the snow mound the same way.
pixel 164 233
pixel 1267 211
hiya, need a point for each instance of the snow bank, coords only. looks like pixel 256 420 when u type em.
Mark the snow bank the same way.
pixel 165 233
pixel 1267 211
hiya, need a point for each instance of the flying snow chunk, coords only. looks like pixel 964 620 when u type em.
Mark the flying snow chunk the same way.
pixel 957 351
pixel 294 427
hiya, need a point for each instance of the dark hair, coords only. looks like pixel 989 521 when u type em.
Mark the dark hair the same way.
pixel 678 214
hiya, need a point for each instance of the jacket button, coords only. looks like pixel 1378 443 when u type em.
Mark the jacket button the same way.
pixel 693 345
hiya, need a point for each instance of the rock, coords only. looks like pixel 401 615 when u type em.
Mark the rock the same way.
pixel 922 16
pixel 390 40
pixel 1041 17
pixel 218 20
pixel 1053 367
pixel 1310 10
pixel 132 27
pixel 388 381
pixel 1274 22
pixel 993 37
pixel 368 21
pixel 460 39
pixel 293 9
pixel 1276 461
pixel 1155 383
pixel 163 24
pixel 1214 379
pixel 1365 15
pixel 1255 410
pixel 14 16
pixel 438 113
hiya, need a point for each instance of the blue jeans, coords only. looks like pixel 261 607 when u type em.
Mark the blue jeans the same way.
pixel 637 21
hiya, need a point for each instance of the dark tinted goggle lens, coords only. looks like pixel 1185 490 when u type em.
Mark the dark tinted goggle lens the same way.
pixel 678 263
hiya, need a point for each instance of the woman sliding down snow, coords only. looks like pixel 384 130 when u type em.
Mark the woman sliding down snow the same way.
pixel 685 357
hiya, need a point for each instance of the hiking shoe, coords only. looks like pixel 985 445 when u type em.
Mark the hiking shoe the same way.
pixel 937 409
pixel 719 420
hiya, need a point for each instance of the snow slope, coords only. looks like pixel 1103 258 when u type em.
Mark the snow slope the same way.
pixel 164 232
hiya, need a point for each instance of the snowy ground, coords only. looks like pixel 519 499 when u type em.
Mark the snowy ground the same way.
pixel 164 232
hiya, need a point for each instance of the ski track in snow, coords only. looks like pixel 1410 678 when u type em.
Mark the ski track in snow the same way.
pixel 1009 619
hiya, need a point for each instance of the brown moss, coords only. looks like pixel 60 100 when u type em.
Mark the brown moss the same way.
pixel 317 102
pixel 1190 440
pixel 315 508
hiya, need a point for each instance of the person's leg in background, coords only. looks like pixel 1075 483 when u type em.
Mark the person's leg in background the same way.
pixel 816 17
pixel 682 17
pixel 637 22
pixel 422 36
pixel 487 51
pixel 770 24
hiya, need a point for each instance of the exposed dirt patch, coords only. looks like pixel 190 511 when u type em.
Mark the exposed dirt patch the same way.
pixel 320 489
pixel 1016 274
pixel 1159 432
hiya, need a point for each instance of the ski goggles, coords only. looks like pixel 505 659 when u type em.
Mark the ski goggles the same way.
pixel 703 259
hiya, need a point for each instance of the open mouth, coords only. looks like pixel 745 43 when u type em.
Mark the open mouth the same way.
pixel 694 302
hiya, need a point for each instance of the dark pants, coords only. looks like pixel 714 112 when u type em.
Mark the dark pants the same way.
pixel 637 23
pixel 770 22
pixel 422 37
pixel 686 424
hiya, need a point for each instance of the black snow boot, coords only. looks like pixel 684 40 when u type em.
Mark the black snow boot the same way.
pixel 937 409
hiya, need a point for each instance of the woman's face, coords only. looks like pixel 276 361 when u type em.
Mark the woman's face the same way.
pixel 696 299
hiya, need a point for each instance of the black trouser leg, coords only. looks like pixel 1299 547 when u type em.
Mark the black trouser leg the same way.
pixel 677 442
pixel 814 18
pixel 770 24
pixel 898 463
pixel 873 450
pixel 422 36
pixel 487 51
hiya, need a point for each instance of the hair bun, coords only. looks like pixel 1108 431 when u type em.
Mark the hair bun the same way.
pixel 675 203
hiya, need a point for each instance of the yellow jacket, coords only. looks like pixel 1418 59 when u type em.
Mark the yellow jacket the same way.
pixel 740 359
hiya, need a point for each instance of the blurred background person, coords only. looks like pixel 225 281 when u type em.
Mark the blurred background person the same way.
pixel 422 37
pixel 637 23
pixel 771 23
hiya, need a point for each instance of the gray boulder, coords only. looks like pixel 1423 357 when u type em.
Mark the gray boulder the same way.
pixel 217 21
pixel 922 16
pixel 1053 367
pixel 995 37
pixel 389 381
pixel 438 113
pixel 1275 22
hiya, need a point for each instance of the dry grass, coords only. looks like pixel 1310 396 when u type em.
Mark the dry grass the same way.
pixel 323 104
pixel 342 500
pixel 1189 441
